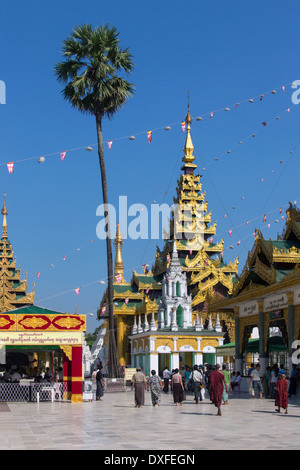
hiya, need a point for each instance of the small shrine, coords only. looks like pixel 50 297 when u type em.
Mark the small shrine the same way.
pixel 33 338
pixel 176 339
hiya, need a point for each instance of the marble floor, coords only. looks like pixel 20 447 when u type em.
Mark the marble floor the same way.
pixel 115 424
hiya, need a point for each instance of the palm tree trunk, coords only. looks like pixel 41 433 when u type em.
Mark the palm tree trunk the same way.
pixel 112 352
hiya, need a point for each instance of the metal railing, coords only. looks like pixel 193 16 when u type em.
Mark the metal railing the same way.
pixel 32 392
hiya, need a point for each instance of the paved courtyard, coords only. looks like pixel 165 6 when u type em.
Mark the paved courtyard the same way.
pixel 115 424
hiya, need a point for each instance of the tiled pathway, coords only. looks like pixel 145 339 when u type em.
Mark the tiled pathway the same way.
pixel 115 424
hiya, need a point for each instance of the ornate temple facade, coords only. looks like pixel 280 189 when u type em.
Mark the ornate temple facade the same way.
pixel 267 295
pixel 36 337
pixel 207 276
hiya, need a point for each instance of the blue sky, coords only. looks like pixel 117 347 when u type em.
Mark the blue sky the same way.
pixel 222 53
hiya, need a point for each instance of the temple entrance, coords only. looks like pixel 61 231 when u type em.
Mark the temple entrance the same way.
pixel 186 359
pixel 164 360
pixel 32 362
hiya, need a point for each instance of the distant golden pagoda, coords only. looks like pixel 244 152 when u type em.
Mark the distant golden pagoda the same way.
pixel 202 259
pixel 208 276
pixel 13 290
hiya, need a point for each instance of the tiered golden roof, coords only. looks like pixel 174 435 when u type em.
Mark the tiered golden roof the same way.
pixel 13 290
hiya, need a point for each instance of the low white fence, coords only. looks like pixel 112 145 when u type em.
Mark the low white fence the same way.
pixel 32 392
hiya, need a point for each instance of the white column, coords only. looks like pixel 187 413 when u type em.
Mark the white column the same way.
pixel 175 360
pixel 175 339
pixel 199 358
pixel 153 362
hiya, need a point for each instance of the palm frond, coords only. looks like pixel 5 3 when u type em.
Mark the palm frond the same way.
pixel 93 68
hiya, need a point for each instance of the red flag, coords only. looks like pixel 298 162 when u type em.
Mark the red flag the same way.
pixel 230 232
pixel 126 301
pixel 118 278
pixel 269 225
pixel 149 134
pixel 280 210
pixel 283 88
pixel 239 242
pixel 62 155
pixel 77 290
pixel 183 126
pixel 103 310
pixel 191 251
pixel 11 167
pixel 211 115
pixel 38 274
pixel 265 217
pixel 109 143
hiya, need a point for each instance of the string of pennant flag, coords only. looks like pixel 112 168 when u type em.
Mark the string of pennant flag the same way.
pixel 41 159
pixel 262 226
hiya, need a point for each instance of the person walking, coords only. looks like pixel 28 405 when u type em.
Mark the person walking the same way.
pixel 255 382
pixel 282 397
pixel 154 383
pixel 166 377
pixel 266 381
pixel 138 382
pixel 177 387
pixel 217 384
pixel 197 380
pixel 225 394
pixel 99 384
pixel 273 380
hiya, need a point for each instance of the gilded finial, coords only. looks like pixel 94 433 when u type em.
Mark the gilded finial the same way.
pixel 119 269
pixel 188 147
pixel 4 212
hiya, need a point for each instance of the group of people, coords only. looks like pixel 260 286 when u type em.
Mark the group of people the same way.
pixel 218 383
pixel 274 384
pixel 181 381
pixel 15 375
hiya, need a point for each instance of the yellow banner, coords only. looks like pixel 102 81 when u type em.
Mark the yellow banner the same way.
pixel 129 373
pixel 55 338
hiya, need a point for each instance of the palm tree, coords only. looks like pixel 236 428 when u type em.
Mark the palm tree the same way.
pixel 92 73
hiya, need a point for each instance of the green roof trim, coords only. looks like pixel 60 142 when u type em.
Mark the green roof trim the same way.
pixel 285 244
pixel 34 310
pixel 275 343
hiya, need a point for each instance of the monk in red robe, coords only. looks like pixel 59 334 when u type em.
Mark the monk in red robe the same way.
pixel 217 384
pixel 282 396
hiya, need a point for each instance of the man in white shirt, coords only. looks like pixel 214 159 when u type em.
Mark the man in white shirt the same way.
pixel 166 377
pixel 255 381
pixel 197 378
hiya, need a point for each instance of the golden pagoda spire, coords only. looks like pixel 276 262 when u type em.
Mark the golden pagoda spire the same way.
pixel 188 147
pixel 119 269
pixel 4 212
